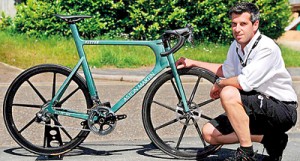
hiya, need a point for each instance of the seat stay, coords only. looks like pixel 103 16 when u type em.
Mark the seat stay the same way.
pixel 71 19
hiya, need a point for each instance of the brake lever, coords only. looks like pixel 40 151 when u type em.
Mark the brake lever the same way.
pixel 190 38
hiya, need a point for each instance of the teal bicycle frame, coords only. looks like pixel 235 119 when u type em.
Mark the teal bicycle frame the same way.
pixel 161 63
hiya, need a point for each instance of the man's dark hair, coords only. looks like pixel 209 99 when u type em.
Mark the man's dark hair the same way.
pixel 242 7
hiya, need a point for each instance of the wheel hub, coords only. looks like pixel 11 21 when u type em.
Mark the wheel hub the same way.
pixel 185 117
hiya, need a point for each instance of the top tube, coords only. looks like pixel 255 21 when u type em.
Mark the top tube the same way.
pixel 156 45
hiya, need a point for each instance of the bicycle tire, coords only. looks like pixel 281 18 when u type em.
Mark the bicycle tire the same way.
pixel 24 98
pixel 162 117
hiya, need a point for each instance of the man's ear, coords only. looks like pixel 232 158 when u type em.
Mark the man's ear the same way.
pixel 255 26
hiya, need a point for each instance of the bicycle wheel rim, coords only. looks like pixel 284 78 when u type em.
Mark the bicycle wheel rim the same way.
pixel 159 111
pixel 12 118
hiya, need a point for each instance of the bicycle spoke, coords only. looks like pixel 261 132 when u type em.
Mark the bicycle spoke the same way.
pixel 199 132
pixel 181 134
pixel 54 85
pixel 166 124
pixel 37 92
pixel 166 106
pixel 206 102
pixel 194 90
pixel 68 96
pixel 205 117
pixel 27 125
pixel 176 91
pixel 61 127
pixel 27 105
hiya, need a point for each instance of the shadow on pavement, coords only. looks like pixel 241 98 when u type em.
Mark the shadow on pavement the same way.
pixel 120 151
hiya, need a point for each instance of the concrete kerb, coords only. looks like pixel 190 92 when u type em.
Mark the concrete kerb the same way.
pixel 135 75
pixel 118 78
pixel 11 67
pixel 137 78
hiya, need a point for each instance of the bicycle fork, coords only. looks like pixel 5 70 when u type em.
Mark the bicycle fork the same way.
pixel 178 82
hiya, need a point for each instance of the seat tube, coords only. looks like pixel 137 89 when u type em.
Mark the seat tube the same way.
pixel 178 81
pixel 85 67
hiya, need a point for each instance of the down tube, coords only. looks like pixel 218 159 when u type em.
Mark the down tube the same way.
pixel 137 88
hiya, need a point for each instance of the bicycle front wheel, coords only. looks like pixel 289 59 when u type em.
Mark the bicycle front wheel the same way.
pixel 164 118
pixel 28 93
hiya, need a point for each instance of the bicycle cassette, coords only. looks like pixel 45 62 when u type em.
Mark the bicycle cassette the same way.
pixel 102 120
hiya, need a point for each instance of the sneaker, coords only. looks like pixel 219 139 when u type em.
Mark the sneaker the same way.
pixel 209 150
pixel 240 155
pixel 274 146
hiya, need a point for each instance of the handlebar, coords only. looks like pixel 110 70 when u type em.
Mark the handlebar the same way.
pixel 182 34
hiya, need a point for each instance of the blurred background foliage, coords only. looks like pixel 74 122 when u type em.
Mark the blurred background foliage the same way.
pixel 142 19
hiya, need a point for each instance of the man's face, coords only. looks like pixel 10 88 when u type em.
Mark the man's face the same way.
pixel 243 29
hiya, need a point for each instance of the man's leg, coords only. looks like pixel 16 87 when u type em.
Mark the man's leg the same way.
pixel 225 132
pixel 240 122
pixel 214 136
pixel 232 104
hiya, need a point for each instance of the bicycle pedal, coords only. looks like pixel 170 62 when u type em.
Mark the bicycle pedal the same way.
pixel 121 117
pixel 106 104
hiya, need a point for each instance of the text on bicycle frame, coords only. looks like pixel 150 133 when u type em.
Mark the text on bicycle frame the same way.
pixel 139 86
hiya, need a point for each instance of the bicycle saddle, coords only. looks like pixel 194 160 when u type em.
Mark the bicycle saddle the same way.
pixel 72 18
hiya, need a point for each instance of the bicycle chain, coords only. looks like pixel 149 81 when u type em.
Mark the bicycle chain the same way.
pixel 65 127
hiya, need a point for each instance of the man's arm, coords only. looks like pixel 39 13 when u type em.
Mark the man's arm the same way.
pixel 220 84
pixel 233 81
pixel 188 63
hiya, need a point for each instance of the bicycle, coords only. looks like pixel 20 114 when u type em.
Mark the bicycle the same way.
pixel 68 108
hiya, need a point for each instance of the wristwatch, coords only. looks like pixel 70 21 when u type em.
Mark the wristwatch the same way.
pixel 218 81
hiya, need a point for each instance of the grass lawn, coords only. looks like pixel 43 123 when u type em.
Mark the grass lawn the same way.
pixel 22 51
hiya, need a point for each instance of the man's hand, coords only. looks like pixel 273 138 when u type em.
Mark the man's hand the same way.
pixel 183 63
pixel 215 91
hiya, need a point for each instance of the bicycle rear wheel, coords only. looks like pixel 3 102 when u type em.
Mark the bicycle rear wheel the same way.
pixel 25 97
pixel 164 119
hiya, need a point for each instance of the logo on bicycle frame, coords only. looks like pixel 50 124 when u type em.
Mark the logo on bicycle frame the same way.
pixel 92 42
pixel 139 86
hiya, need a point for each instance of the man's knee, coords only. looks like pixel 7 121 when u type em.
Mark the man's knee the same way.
pixel 229 93
pixel 230 96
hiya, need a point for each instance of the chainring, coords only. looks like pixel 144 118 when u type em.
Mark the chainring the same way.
pixel 102 120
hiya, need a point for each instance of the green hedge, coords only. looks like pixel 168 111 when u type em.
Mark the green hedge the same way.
pixel 144 19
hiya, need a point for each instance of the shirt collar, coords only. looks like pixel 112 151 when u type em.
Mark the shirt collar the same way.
pixel 250 44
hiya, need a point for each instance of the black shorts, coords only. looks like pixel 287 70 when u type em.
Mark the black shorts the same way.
pixel 266 114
